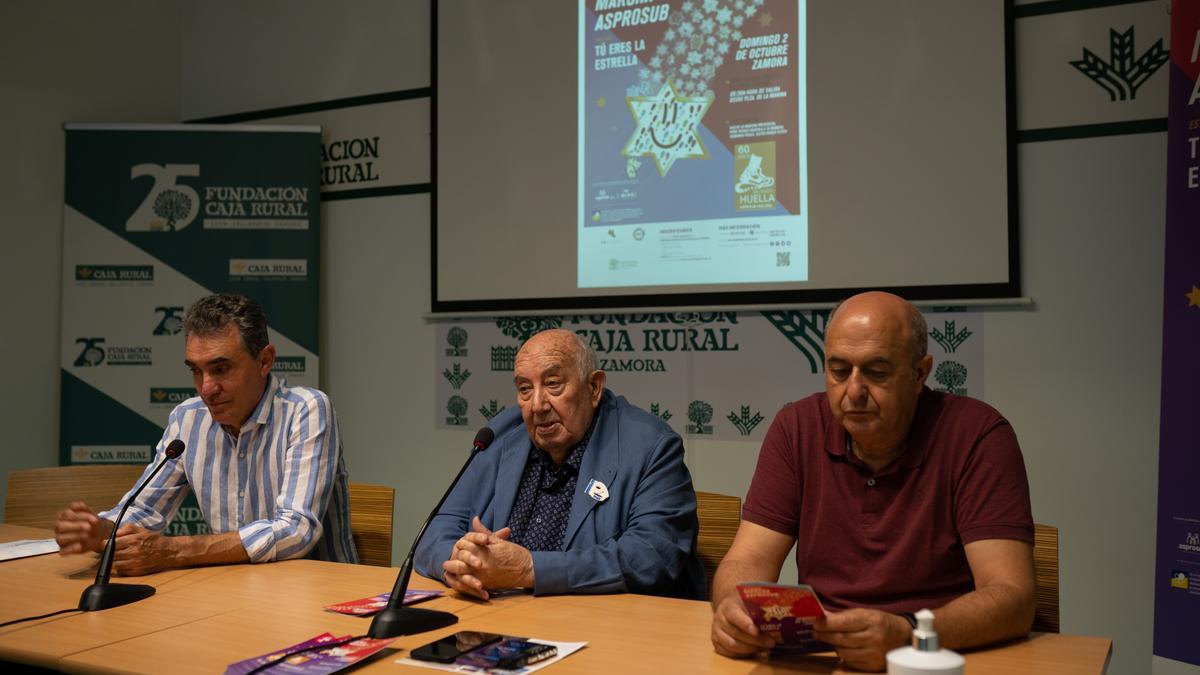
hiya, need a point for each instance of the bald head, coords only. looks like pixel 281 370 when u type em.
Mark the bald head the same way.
pixel 559 387
pixel 875 369
pixel 570 348
pixel 879 308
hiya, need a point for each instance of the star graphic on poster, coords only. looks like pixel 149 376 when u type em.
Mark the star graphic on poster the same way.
pixel 666 127
pixel 765 19
pixel 1193 297
pixel 776 612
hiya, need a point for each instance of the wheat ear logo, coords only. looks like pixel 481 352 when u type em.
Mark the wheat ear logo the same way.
pixel 745 422
pixel 457 376
pixel 664 415
pixel 949 339
pixel 504 358
pixel 805 330
pixel 1122 74
pixel 491 409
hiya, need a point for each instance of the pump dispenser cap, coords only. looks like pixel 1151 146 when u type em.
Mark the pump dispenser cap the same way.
pixel 924 638
pixel 924 657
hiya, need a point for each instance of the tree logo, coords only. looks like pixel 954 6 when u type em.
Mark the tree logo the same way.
pixel 952 375
pixel 456 338
pixel 491 410
pixel 700 413
pixel 91 354
pixel 457 407
pixel 664 415
pixel 167 206
pixel 172 206
pixel 457 376
pixel 1122 74
pixel 950 340
pixel 170 323
pixel 745 422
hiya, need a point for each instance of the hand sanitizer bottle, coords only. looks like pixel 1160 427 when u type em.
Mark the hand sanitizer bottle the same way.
pixel 924 656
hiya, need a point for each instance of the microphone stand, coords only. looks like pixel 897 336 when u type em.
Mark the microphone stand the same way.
pixel 396 619
pixel 105 595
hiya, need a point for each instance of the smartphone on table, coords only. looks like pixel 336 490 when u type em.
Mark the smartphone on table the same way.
pixel 508 654
pixel 453 645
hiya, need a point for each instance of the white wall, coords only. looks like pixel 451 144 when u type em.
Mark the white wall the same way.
pixel 60 62
pixel 1078 374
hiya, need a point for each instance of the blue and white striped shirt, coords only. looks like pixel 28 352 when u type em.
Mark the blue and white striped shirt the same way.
pixel 281 484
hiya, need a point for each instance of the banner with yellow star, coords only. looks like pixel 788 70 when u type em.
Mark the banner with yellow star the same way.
pixel 1177 571
pixel 692 142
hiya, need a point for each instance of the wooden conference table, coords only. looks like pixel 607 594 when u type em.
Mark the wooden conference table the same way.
pixel 203 619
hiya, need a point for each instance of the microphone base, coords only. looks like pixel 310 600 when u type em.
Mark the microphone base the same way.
pixel 393 621
pixel 107 596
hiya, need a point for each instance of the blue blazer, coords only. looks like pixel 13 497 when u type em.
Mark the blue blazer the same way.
pixel 642 539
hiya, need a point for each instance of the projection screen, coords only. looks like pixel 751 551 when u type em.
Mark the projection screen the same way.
pixel 680 153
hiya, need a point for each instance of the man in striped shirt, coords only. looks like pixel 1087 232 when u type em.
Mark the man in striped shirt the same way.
pixel 263 459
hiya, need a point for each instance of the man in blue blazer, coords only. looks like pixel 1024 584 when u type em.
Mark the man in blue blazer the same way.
pixel 581 492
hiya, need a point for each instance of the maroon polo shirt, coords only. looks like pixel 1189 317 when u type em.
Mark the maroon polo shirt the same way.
pixel 891 540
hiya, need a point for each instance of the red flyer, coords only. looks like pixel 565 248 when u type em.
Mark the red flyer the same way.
pixel 375 603
pixel 785 613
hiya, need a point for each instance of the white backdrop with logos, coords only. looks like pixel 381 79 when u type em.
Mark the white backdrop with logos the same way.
pixel 715 375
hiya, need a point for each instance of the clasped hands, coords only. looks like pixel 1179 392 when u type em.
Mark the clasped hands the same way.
pixel 862 637
pixel 138 551
pixel 483 560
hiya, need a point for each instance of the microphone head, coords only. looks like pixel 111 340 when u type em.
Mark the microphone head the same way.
pixel 484 438
pixel 174 449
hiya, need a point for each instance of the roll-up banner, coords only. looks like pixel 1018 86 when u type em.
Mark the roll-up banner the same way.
pixel 154 217
pixel 1177 571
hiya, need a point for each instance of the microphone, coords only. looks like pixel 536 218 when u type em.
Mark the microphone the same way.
pixel 102 594
pixel 396 619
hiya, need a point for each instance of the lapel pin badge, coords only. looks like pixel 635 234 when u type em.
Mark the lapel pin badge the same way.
pixel 597 490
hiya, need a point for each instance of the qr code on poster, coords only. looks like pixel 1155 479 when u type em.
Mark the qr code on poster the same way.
pixel 783 258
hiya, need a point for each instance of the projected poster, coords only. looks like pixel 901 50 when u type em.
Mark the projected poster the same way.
pixel 692 151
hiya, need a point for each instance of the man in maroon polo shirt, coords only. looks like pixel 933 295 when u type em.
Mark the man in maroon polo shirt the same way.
pixel 898 498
